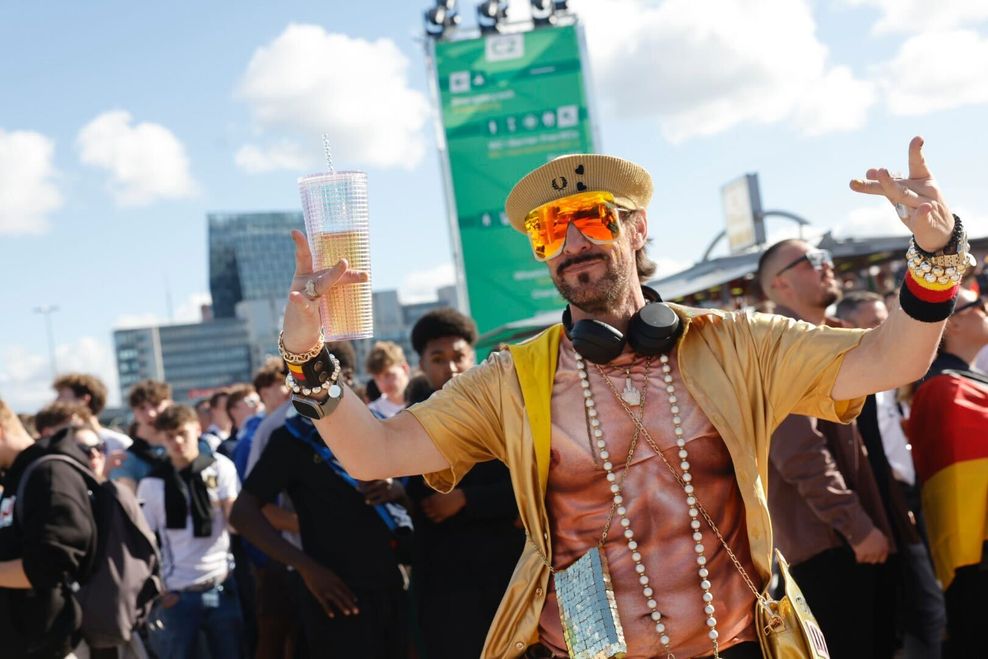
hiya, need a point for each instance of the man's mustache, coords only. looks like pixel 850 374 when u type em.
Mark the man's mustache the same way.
pixel 576 260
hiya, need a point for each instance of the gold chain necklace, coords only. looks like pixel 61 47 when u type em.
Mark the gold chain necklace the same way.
pixel 686 481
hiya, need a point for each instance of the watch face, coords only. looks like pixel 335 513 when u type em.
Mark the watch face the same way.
pixel 307 407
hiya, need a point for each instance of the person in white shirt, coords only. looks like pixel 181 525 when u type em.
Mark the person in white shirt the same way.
pixel 387 365
pixel 187 503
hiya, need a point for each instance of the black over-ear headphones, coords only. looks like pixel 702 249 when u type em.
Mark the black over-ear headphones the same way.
pixel 653 330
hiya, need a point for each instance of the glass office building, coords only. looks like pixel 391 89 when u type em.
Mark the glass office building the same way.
pixel 194 359
pixel 251 257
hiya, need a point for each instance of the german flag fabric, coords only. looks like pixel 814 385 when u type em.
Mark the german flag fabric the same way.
pixel 948 429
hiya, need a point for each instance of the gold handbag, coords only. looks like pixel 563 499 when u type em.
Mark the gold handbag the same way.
pixel 787 628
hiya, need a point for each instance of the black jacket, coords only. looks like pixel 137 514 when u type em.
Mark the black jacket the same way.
pixel 56 538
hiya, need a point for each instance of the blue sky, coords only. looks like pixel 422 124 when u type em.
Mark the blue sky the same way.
pixel 121 126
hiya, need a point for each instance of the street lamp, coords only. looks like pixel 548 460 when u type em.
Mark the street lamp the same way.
pixel 47 311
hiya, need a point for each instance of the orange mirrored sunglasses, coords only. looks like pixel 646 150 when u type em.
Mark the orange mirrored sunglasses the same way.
pixel 595 214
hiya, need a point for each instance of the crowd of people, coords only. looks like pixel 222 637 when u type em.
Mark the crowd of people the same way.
pixel 283 533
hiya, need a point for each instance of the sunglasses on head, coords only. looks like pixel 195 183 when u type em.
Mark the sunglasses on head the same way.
pixel 817 258
pixel 595 214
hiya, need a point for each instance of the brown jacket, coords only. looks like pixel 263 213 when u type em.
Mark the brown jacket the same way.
pixel 821 490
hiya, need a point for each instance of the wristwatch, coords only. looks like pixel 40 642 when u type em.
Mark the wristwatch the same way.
pixel 318 409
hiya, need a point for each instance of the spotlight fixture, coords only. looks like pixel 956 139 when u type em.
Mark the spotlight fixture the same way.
pixel 441 18
pixel 490 13
pixel 542 11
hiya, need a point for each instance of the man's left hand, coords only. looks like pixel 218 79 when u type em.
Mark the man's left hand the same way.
pixel 382 491
pixel 440 507
pixel 928 218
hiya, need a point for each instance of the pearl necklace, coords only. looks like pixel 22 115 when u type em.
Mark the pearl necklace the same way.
pixel 701 560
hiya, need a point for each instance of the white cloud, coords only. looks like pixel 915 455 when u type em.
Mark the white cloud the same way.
pixel 936 71
pixel 188 311
pixel 146 162
pixel 879 219
pixel 872 221
pixel 704 67
pixel 255 159
pixel 666 267
pixel 923 15
pixel 25 377
pixel 421 285
pixel 27 191
pixel 309 82
pixel 824 108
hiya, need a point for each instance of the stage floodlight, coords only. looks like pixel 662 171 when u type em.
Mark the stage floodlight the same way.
pixel 441 18
pixel 490 13
pixel 542 11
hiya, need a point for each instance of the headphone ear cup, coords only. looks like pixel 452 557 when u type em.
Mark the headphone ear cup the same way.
pixel 654 329
pixel 596 342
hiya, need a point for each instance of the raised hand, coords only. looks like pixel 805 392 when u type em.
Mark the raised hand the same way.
pixel 917 199
pixel 301 326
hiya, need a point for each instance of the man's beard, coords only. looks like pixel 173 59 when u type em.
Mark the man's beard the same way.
pixel 594 297
pixel 830 296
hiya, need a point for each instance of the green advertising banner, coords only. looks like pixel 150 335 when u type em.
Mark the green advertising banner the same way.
pixel 510 102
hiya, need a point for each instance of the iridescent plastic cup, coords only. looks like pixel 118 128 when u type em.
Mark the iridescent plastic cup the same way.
pixel 334 205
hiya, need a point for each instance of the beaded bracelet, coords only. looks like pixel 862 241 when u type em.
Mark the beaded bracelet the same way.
pixel 297 381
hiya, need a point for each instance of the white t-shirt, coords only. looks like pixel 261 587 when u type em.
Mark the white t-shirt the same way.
pixel 187 560
pixel 894 440
pixel 385 407
pixel 115 441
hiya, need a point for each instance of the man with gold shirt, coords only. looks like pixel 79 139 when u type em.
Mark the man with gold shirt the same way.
pixel 642 451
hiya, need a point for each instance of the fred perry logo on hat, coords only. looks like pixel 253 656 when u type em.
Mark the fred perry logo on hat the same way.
pixel 561 182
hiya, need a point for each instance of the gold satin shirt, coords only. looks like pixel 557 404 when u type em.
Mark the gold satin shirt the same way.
pixel 746 372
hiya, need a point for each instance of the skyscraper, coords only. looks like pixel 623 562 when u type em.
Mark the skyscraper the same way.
pixel 251 258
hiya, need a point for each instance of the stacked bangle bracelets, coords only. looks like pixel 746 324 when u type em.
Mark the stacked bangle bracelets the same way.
pixel 931 285
pixel 309 372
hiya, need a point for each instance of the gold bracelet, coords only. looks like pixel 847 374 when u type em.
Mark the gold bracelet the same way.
pixel 939 272
pixel 299 357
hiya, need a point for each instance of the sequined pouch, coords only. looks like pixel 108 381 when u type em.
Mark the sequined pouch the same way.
pixel 587 608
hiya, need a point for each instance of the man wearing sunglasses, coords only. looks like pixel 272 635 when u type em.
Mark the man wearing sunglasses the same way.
pixel 729 381
pixel 948 429
pixel 828 511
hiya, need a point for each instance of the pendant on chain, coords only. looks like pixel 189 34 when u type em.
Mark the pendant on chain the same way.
pixel 631 395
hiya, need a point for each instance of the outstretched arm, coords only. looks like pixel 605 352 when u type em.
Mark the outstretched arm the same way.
pixel 369 449
pixel 901 349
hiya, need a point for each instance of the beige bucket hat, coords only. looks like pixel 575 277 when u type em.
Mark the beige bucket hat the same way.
pixel 572 174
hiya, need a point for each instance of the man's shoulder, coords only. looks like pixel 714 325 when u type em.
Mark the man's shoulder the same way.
pixel 285 445
pixel 223 466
